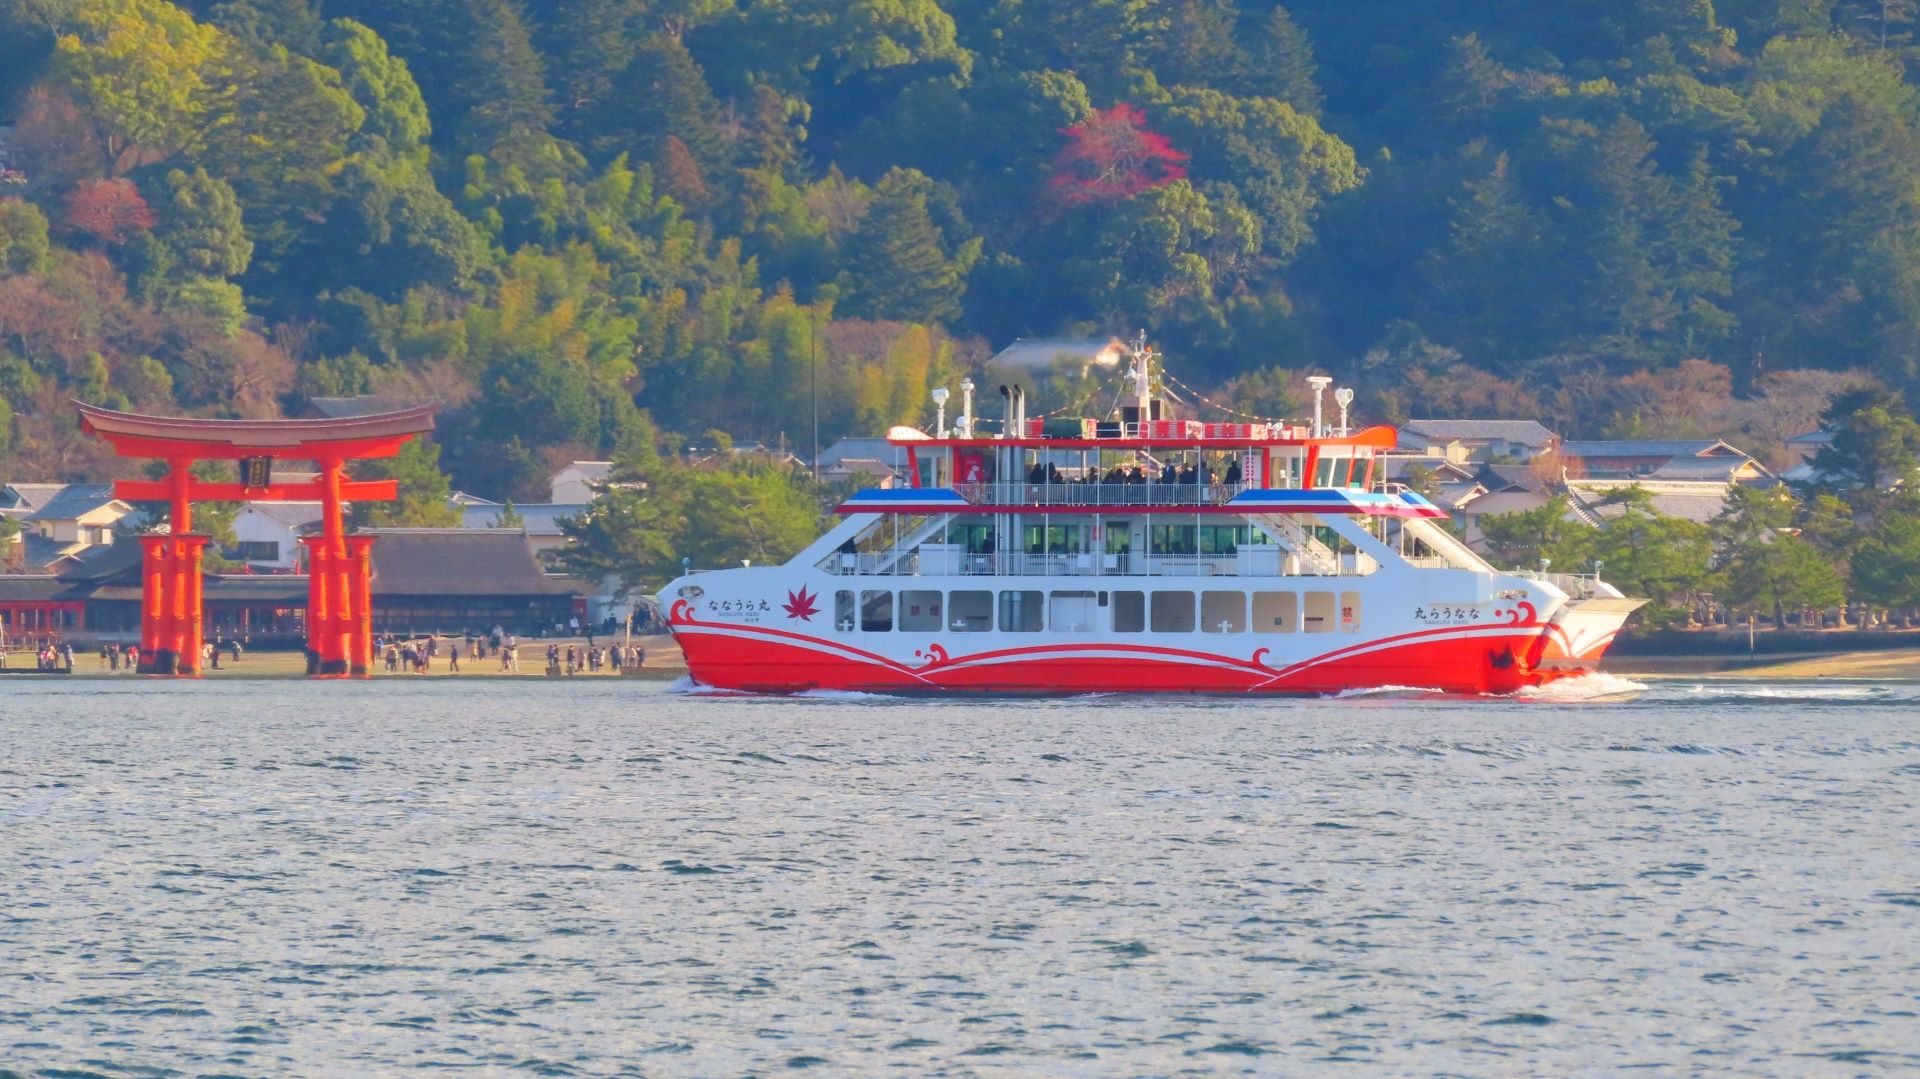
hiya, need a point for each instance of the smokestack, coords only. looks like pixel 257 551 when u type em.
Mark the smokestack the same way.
pixel 1006 425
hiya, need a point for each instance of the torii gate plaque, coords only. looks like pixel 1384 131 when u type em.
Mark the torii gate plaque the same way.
pixel 339 608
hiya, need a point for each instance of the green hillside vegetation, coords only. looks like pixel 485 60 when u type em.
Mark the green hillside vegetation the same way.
pixel 604 227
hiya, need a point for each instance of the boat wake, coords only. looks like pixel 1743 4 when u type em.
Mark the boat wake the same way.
pixel 1596 686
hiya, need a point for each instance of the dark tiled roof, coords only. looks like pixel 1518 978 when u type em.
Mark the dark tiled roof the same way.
pixel 1523 432
pixel 1501 477
pixel 459 562
pixel 104 561
pixel 73 501
pixel 1692 447
pixel 287 588
pixel 32 587
pixel 370 404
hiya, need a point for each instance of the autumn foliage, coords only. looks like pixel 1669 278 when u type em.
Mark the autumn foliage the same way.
pixel 1111 156
pixel 110 211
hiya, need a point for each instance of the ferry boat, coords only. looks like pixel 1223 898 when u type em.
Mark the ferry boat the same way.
pixel 1133 553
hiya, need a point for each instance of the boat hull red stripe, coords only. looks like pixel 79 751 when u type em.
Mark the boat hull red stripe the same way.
pixel 1502 661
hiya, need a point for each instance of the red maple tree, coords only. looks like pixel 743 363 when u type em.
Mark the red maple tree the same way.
pixel 110 211
pixel 1111 156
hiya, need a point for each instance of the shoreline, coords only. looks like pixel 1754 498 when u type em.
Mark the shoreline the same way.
pixel 1900 664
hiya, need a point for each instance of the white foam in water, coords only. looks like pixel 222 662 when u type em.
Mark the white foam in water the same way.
pixel 1387 691
pixel 1798 691
pixel 1596 686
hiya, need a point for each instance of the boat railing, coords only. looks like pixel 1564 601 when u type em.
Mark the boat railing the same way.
pixel 1575 585
pixel 1102 494
pixel 945 561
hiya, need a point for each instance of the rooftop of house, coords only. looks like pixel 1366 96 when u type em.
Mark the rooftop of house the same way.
pixel 74 501
pixel 1520 432
pixel 590 471
pixel 294 515
pixel 1691 447
pixel 1044 352
pixel 459 562
pixel 872 449
pixel 538 518
pixel 1512 477
pixel 1724 469
pixel 462 498
pixel 366 404
pixel 1699 501
pixel 1395 467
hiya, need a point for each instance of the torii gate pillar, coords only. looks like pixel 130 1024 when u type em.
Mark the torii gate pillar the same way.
pixel 339 591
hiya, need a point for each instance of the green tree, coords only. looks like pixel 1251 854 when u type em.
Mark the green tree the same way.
pixel 1666 559
pixel 1284 67
pixel 379 83
pixel 1519 540
pixel 503 85
pixel 899 263
pixel 23 237
pixel 424 490
pixel 1886 564
pixel 139 70
pixel 1782 570
pixel 264 23
pixel 285 122
pixel 200 222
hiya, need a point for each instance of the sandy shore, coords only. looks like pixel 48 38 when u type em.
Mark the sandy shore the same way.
pixel 1890 664
pixel 663 663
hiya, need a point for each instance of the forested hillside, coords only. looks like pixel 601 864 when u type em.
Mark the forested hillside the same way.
pixel 598 226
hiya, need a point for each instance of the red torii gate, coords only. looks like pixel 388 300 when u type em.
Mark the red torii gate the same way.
pixel 339 608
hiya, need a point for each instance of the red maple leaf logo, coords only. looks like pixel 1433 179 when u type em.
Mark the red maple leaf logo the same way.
pixel 800 605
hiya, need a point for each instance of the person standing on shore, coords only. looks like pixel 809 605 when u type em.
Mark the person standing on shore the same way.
pixel 453 658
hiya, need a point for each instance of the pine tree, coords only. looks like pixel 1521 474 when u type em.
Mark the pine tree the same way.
pixel 897 265
pixel 504 85
pixel 663 92
pixel 1284 66
pixel 587 43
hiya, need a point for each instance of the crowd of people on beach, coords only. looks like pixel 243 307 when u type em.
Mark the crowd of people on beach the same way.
pixel 417 655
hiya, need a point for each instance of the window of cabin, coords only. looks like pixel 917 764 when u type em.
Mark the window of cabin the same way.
pixel 1223 612
pixel 1320 612
pixel 920 612
pixel 1276 612
pixel 1129 612
pixel 1020 611
pixel 1349 612
pixel 876 611
pixel 843 611
pixel 1073 612
pixel 970 612
pixel 1172 612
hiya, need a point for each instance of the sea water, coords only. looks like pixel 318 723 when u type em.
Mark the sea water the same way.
pixel 593 877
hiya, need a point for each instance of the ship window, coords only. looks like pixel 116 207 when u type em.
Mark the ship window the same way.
pixel 1073 612
pixel 1172 612
pixel 1223 612
pixel 1319 617
pixel 920 612
pixel 1349 612
pixel 970 612
pixel 1172 539
pixel 843 611
pixel 876 611
pixel 1129 612
pixel 1020 611
pixel 1276 612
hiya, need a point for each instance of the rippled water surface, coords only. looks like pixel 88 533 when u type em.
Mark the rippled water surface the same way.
pixel 281 878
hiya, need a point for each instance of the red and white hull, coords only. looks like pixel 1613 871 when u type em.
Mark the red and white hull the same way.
pixel 778 645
